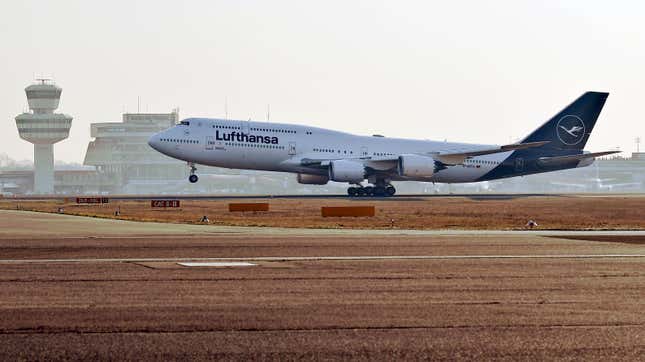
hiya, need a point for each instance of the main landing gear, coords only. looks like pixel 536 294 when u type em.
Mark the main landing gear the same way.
pixel 371 191
pixel 192 178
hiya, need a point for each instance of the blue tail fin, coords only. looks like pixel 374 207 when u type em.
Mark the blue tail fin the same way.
pixel 570 129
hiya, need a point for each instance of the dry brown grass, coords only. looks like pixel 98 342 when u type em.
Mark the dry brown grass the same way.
pixel 557 212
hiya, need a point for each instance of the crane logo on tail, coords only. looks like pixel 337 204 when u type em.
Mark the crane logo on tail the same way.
pixel 570 130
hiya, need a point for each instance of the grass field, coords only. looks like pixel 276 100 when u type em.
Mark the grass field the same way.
pixel 571 212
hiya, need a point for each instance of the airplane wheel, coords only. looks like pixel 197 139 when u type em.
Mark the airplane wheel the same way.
pixel 193 178
pixel 369 191
pixel 351 191
pixel 390 190
pixel 379 191
pixel 360 191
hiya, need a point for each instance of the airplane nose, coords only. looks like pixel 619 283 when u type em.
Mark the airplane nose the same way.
pixel 153 141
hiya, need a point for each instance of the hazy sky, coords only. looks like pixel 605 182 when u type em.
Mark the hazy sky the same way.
pixel 473 71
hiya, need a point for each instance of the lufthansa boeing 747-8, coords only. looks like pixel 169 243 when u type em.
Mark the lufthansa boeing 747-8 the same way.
pixel 319 155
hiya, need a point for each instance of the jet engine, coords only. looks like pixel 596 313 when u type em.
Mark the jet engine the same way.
pixel 307 179
pixel 346 171
pixel 416 166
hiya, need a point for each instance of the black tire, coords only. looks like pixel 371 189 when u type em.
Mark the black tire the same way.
pixel 351 191
pixel 390 191
pixel 193 179
pixel 379 191
pixel 369 191
pixel 360 191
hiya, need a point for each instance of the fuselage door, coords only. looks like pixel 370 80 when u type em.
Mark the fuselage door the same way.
pixel 210 141
pixel 292 148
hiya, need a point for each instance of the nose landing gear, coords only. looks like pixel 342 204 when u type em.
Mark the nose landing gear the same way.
pixel 192 178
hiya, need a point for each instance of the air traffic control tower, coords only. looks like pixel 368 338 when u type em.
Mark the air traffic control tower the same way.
pixel 43 128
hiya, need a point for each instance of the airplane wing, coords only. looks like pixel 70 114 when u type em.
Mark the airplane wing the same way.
pixel 446 158
pixel 545 161
pixel 459 158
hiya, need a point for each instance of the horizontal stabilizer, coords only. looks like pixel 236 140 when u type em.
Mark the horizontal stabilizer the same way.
pixel 548 161
pixel 459 158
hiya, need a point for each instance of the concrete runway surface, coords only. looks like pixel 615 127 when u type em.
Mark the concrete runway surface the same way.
pixel 82 288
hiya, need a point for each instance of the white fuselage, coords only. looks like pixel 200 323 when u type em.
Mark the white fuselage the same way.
pixel 282 147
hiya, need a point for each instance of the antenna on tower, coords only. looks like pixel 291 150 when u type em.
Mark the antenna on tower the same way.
pixel 138 104
pixel 268 112
pixel 225 107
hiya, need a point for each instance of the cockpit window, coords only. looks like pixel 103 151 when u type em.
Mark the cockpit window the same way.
pixel 184 123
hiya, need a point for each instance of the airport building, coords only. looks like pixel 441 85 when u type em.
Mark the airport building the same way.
pixel 638 156
pixel 66 182
pixel 43 128
pixel 124 161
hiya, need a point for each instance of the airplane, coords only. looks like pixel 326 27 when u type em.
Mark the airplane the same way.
pixel 599 184
pixel 318 155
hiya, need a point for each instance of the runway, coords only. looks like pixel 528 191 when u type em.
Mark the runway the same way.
pixel 323 258
pixel 87 288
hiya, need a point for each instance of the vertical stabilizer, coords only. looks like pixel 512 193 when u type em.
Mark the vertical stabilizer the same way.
pixel 571 127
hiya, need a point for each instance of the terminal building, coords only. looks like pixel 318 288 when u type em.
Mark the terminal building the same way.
pixel 122 158
pixel 66 182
